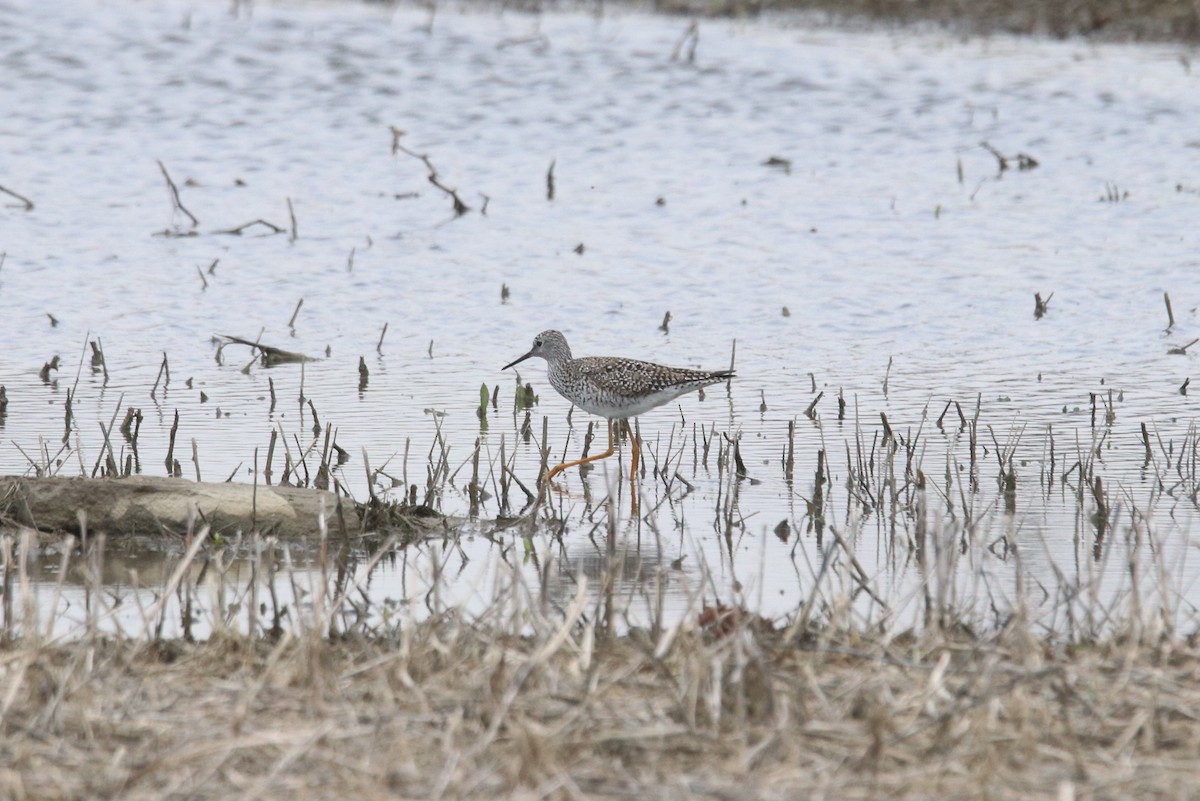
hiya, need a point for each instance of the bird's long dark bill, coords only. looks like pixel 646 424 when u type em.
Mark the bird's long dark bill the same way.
pixel 518 361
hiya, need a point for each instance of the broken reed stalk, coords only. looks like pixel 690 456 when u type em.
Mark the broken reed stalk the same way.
pixel 130 427
pixel 739 465
pixel 370 478
pixel 44 373
pixel 241 229
pixel 107 455
pixel 550 180
pixel 316 426
pixel 707 439
pixel 270 456
pixel 566 442
pixel 811 411
pixel 324 468
pixel 292 217
pixel 176 203
pixel 816 507
pixel 25 202
pixel 382 334
pixel 1000 158
pixel 789 462
pixel 503 480
pixel 170 460
pixel 407 443
pixel 588 437
pixel 1170 314
pixel 545 447
pixel 942 416
pixel 164 375
pixel 507 470
pixel 460 208
pixel 302 461
pixel 66 437
pixel 98 357
pixel 690 37
pixel 253 497
pixel 296 311
pixel 473 492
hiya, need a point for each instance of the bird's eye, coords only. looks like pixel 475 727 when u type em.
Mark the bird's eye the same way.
pixel 537 343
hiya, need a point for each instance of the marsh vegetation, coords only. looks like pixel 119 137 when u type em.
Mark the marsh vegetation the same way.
pixel 935 541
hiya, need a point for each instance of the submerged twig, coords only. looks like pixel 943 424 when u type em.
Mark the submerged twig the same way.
pixel 176 203
pixel 691 38
pixel 292 217
pixel 296 311
pixel 26 202
pixel 460 208
pixel 164 374
pixel 272 356
pixel 275 229
pixel 1024 161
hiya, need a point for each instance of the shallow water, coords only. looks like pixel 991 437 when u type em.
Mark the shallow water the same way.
pixel 905 285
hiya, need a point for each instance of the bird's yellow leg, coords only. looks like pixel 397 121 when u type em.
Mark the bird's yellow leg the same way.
pixel 578 462
pixel 636 450
pixel 633 470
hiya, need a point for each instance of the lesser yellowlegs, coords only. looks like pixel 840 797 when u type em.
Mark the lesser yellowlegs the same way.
pixel 613 387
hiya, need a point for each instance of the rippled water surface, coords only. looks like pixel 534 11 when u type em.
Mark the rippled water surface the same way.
pixel 889 261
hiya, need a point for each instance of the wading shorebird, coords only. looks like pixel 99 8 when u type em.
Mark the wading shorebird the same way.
pixel 613 387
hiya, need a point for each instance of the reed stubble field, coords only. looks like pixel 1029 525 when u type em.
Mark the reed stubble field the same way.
pixel 448 708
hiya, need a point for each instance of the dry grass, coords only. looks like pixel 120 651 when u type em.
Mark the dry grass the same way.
pixel 456 711
pixel 529 700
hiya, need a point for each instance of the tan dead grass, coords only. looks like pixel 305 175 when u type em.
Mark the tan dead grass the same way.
pixel 454 710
